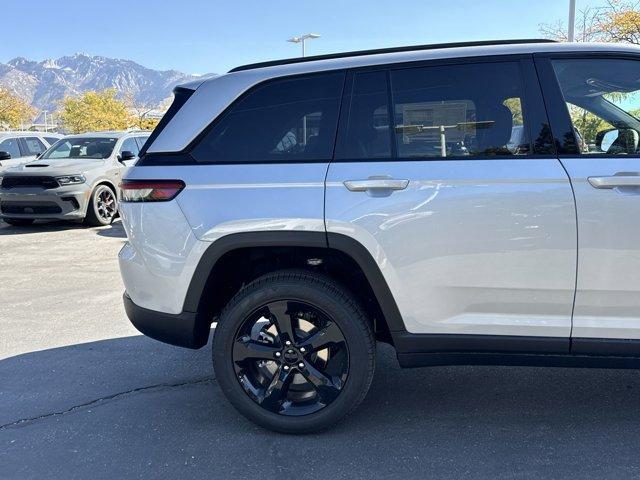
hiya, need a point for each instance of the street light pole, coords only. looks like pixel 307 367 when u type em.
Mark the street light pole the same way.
pixel 302 38
pixel 572 20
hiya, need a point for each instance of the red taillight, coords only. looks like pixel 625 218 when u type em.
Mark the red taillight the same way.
pixel 150 190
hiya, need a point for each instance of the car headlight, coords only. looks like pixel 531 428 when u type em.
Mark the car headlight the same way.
pixel 70 179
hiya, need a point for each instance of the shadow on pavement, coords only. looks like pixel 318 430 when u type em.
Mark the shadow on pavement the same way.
pixel 115 230
pixel 132 407
pixel 40 226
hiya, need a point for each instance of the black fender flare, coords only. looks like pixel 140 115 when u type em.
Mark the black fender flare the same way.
pixel 343 243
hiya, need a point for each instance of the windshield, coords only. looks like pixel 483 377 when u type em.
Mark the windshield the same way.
pixel 81 147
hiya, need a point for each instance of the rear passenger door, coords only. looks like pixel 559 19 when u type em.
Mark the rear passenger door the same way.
pixel 447 174
pixel 596 105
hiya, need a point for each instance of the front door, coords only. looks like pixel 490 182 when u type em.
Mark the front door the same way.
pixel 446 173
pixel 602 96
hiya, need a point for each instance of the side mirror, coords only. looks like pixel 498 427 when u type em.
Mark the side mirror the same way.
pixel 5 155
pixel 605 139
pixel 618 141
pixel 126 155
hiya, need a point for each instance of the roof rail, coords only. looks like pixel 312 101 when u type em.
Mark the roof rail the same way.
pixel 359 53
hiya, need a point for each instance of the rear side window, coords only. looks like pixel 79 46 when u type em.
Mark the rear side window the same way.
pixel 471 110
pixel 51 140
pixel 286 120
pixel 33 146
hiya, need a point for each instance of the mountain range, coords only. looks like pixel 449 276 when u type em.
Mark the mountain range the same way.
pixel 43 84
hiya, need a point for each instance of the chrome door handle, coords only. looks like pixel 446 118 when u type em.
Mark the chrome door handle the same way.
pixel 614 181
pixel 374 183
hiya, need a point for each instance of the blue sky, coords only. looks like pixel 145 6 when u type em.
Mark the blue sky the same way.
pixel 200 36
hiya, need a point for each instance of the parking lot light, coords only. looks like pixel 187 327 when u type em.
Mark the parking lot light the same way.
pixel 302 38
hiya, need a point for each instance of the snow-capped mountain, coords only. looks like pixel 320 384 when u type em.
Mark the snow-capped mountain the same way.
pixel 44 84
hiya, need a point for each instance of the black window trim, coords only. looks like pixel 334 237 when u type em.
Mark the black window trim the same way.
pixel 184 157
pixel 556 104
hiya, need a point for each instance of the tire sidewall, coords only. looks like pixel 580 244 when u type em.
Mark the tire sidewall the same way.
pixel 95 215
pixel 360 359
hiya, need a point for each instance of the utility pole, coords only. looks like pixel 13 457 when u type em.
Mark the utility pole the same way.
pixel 572 20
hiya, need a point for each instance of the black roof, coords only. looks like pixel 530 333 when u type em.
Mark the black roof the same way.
pixel 359 53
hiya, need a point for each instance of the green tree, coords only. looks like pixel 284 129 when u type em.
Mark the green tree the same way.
pixel 13 110
pixel 94 111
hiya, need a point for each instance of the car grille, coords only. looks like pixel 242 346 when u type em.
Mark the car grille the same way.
pixel 29 181
pixel 29 208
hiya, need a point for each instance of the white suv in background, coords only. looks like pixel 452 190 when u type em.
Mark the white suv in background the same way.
pixel 17 148
pixel 436 198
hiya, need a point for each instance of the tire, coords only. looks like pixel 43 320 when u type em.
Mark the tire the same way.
pixel 98 215
pixel 19 222
pixel 311 405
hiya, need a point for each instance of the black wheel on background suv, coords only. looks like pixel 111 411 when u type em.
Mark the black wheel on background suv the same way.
pixel 293 351
pixel 19 222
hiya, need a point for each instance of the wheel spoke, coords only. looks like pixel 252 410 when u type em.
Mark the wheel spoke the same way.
pixel 326 387
pixel 283 320
pixel 326 336
pixel 275 394
pixel 249 349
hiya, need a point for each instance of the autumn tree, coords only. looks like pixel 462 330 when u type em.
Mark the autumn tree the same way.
pixel 13 110
pixel 615 21
pixel 142 114
pixel 94 111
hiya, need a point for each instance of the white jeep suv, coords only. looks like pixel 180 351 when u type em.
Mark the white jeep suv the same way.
pixel 437 198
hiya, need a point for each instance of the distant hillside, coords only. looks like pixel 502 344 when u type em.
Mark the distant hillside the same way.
pixel 44 84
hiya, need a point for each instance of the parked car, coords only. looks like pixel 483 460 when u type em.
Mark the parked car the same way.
pixel 75 179
pixel 309 208
pixel 21 147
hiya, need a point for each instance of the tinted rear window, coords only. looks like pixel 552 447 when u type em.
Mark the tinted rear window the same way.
pixel 285 120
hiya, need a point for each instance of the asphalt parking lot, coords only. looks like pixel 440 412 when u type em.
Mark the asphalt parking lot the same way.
pixel 83 395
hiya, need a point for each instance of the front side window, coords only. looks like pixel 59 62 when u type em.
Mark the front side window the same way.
pixel 82 148
pixel 603 100
pixel 130 145
pixel 292 119
pixel 142 140
pixel 10 145
pixel 34 146
pixel 472 110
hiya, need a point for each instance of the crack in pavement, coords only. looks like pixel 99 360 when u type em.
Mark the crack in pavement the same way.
pixel 101 400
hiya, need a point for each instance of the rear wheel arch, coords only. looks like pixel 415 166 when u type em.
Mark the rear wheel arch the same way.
pixel 237 259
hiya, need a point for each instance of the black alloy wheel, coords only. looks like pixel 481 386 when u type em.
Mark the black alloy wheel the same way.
pixel 290 358
pixel 294 351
